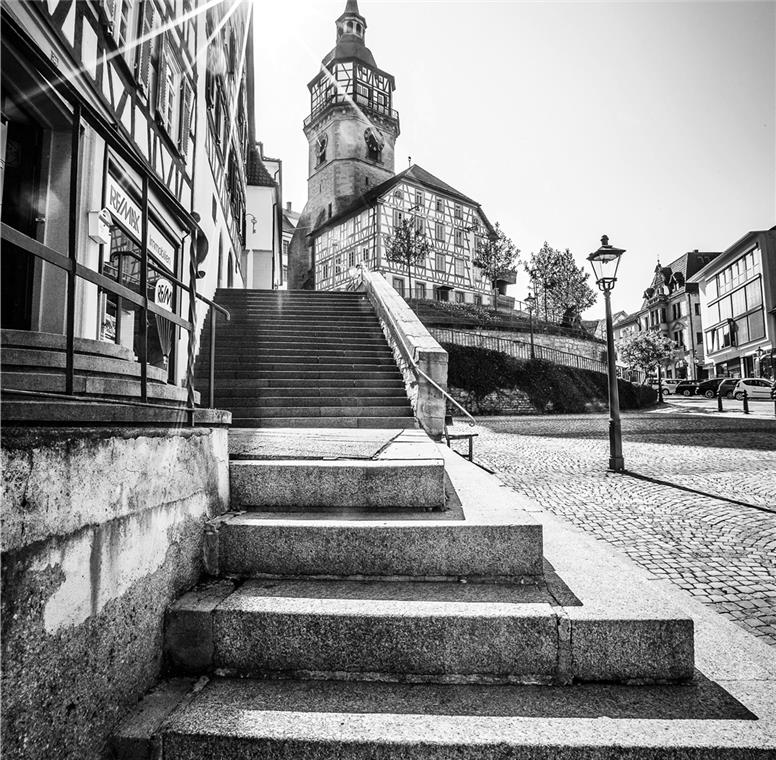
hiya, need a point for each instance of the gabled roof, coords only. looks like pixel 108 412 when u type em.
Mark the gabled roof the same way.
pixel 255 171
pixel 414 173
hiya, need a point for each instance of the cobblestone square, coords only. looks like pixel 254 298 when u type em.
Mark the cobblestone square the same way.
pixel 697 505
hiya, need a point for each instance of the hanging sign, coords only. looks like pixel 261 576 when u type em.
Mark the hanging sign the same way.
pixel 163 294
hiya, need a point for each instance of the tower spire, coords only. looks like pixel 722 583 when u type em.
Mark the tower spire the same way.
pixel 351 23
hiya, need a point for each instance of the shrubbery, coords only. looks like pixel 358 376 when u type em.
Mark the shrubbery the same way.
pixel 567 389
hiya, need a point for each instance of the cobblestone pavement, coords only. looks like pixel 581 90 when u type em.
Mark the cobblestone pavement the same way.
pixel 697 506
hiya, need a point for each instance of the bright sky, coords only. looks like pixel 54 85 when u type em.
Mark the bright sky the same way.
pixel 652 122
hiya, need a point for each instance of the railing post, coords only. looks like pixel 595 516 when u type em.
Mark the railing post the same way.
pixel 75 147
pixel 211 376
pixel 144 292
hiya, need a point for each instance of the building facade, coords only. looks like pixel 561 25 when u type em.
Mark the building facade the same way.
pixel 672 306
pixel 261 264
pixel 121 173
pixel 738 307
pixel 356 201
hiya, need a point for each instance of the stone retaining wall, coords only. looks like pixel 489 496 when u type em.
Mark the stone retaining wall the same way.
pixel 101 530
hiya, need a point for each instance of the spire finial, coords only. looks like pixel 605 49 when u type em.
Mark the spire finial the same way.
pixel 351 8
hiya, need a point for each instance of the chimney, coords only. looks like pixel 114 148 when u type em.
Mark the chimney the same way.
pixel 288 206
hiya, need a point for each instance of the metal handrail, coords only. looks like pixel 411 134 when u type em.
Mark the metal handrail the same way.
pixel 561 357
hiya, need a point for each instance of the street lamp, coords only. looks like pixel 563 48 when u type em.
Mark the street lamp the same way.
pixel 605 262
pixel 530 301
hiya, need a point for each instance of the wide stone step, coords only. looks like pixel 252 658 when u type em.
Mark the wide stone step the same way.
pixel 19 358
pixel 322 411
pixel 93 385
pixel 258 404
pixel 392 423
pixel 311 395
pixel 416 484
pixel 340 720
pixel 241 385
pixel 319 355
pixel 350 373
pixel 376 544
pixel 367 629
pixel 336 340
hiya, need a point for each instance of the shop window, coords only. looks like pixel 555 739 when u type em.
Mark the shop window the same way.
pixel 420 290
pixel 36 139
pixel 398 286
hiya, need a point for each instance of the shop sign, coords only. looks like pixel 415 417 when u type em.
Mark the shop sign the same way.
pixel 163 294
pixel 130 215
pixel 160 248
pixel 123 208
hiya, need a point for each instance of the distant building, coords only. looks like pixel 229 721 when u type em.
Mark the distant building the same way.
pixel 672 306
pixel 264 225
pixel 355 200
pixel 290 221
pixel 738 307
pixel 624 326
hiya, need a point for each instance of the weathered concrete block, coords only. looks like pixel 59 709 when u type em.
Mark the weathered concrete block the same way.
pixel 282 627
pixel 343 483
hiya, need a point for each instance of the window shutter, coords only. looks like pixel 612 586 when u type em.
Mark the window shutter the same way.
pixel 183 143
pixel 162 91
pixel 143 68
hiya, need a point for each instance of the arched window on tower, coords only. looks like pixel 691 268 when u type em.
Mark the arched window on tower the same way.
pixel 359 29
pixel 320 149
pixel 374 144
pixel 349 27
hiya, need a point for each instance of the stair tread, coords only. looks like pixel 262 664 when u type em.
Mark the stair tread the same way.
pixel 343 720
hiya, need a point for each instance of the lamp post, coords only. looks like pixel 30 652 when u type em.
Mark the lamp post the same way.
pixel 605 262
pixel 530 301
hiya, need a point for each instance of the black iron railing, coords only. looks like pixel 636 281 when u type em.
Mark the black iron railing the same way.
pixel 20 242
pixel 516 348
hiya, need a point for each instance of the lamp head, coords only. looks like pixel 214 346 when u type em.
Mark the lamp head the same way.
pixel 605 262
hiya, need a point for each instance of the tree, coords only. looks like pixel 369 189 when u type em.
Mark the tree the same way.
pixel 559 284
pixel 497 256
pixel 646 350
pixel 408 246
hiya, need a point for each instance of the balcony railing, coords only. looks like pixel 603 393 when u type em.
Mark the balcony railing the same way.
pixel 358 100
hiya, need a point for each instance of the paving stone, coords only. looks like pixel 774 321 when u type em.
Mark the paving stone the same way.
pixel 699 508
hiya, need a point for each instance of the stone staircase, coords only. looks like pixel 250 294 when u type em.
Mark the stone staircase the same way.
pixel 304 359
pixel 378 632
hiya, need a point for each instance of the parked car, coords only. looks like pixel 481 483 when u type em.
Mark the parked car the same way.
pixel 727 386
pixel 755 387
pixel 709 388
pixel 686 388
pixel 669 386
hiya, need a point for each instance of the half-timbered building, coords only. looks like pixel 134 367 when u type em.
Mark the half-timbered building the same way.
pixel 454 225
pixel 125 125
pixel 355 200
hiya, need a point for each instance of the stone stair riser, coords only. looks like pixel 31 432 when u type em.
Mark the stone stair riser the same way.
pixel 372 483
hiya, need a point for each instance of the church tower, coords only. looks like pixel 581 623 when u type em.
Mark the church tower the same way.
pixel 351 132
